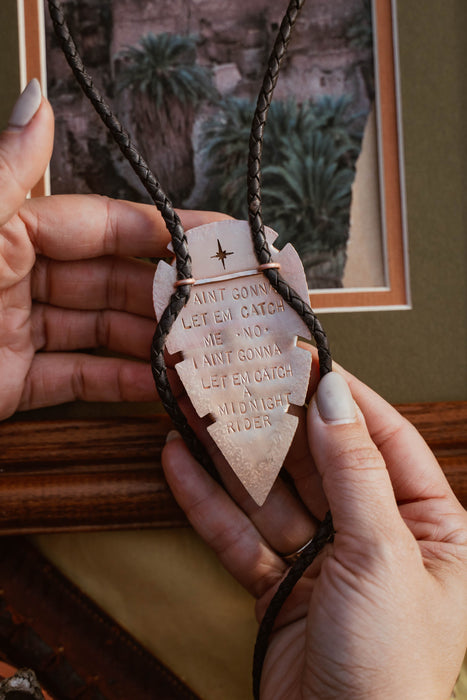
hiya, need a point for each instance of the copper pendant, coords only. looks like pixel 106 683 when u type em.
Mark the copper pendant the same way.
pixel 241 364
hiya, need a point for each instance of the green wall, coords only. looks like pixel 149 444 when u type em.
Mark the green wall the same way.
pixel 417 355
pixel 9 69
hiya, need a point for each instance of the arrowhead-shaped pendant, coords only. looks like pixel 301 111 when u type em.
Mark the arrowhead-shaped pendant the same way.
pixel 241 364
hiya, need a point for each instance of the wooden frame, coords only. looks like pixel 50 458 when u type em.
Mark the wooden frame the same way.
pixel 105 473
pixel 395 292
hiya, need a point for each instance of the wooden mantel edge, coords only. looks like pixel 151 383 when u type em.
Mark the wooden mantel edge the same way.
pixel 88 474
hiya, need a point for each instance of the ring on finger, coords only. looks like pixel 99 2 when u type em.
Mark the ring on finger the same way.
pixel 293 556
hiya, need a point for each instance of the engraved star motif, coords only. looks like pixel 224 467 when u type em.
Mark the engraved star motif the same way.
pixel 221 254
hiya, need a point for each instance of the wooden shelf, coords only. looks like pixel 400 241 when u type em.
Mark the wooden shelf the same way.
pixel 91 474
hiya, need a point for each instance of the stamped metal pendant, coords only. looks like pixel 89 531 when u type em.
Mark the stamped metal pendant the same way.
pixel 237 336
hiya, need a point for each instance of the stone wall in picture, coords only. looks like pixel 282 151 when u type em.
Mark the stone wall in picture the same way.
pixel 234 40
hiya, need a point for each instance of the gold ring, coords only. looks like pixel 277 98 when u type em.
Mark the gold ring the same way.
pixel 293 556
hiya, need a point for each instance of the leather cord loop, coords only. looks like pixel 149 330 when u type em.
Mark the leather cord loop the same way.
pixel 184 275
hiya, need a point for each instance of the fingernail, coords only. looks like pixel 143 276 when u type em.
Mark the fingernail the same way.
pixel 26 105
pixel 334 400
pixel 172 435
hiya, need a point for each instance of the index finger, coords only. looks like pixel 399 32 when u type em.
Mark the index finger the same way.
pixel 76 227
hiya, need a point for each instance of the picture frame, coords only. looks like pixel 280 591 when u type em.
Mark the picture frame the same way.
pixel 388 213
pixel 400 359
pixel 406 382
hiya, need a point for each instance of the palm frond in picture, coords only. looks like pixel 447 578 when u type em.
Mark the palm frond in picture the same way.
pixel 359 34
pixel 308 196
pixel 224 147
pixel 333 115
pixel 166 85
pixel 309 155
pixel 285 117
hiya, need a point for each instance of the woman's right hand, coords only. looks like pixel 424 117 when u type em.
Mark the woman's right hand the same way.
pixel 382 612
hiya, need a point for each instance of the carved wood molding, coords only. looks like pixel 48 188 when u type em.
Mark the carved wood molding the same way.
pixel 75 648
pixel 95 474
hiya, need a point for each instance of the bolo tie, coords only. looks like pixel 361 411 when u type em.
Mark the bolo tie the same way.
pixel 259 294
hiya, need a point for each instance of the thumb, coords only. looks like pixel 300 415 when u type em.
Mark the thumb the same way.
pixel 25 148
pixel 355 479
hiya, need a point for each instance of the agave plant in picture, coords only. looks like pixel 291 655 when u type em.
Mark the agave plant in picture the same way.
pixel 309 156
pixel 166 85
pixel 224 150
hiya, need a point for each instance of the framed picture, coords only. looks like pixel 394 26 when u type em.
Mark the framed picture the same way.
pixel 333 181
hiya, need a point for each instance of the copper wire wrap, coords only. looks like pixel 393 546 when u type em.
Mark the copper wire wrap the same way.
pixel 269 266
pixel 181 283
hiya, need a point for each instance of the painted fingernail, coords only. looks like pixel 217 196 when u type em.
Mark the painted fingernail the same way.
pixel 172 435
pixel 334 400
pixel 26 105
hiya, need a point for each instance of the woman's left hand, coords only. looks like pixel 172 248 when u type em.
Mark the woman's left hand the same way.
pixel 69 281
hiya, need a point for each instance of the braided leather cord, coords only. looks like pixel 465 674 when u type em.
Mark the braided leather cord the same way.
pixel 325 531
pixel 324 535
pixel 262 251
pixel 183 260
